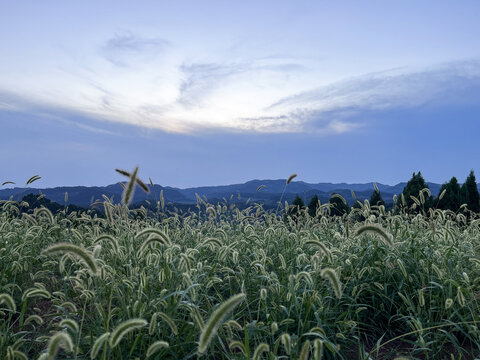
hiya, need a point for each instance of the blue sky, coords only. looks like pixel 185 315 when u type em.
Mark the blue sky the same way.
pixel 218 92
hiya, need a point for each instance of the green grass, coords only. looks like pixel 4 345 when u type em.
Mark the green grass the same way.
pixel 314 287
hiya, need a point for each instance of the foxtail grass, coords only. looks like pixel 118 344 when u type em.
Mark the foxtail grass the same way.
pixel 76 251
pixel 124 328
pixel 60 340
pixel 8 300
pixel 98 344
pixel 216 319
pixel 332 277
pixel 155 347
pixel 33 179
pixel 130 188
pixel 304 352
pixel 378 230
pixel 259 350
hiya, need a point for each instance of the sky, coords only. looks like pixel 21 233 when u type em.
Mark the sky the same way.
pixel 220 92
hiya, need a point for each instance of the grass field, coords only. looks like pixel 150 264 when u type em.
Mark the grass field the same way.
pixel 219 283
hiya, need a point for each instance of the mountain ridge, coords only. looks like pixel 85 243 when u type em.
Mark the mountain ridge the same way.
pixel 270 193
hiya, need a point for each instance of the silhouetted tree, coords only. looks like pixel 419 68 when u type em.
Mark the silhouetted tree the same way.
pixel 338 204
pixel 451 199
pixel 297 206
pixel 469 192
pixel 413 188
pixel 298 201
pixel 313 206
pixel 38 201
pixel 376 198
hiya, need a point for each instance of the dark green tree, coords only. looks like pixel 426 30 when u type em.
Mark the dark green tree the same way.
pixel 376 199
pixel 413 188
pixel 469 192
pixel 451 199
pixel 313 205
pixel 338 204
pixel 297 205
pixel 37 201
pixel 357 204
pixel 298 201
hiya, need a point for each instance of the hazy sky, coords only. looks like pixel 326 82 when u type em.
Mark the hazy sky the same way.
pixel 217 92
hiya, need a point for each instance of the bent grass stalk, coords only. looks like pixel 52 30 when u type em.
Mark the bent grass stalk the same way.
pixel 60 340
pixel 317 349
pixel 259 350
pixel 124 328
pixel 76 251
pixel 139 182
pixel 160 233
pixel 332 277
pixel 155 347
pixel 305 351
pixel 98 344
pixel 289 180
pixel 130 188
pixel 33 319
pixel 110 239
pixel 384 236
pixel 215 321
pixel 317 243
pixel 70 324
pixel 8 300
pixel 33 179
pixel 237 345
pixel 286 341
pixel 48 214
pixel 169 321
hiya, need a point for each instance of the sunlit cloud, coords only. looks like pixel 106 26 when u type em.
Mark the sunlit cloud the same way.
pixel 147 82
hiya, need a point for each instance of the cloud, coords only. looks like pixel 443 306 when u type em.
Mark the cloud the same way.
pixel 202 78
pixel 341 106
pixel 280 123
pixel 125 48
pixel 249 96
pixel 298 122
pixel 385 90
pixel 17 104
pixel 340 127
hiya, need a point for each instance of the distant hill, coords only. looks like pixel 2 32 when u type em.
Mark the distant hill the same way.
pixel 269 195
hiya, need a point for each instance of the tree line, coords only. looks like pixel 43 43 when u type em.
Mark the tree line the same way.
pixel 415 197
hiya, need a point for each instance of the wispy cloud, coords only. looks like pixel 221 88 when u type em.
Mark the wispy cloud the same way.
pixel 202 78
pixel 298 122
pixel 387 89
pixel 125 48
pixel 247 96
pixel 337 107
pixel 69 117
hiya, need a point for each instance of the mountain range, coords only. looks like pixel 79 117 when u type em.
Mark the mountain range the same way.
pixel 269 194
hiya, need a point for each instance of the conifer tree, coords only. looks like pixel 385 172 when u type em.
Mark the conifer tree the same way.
pixel 451 200
pixel 470 194
pixel 298 201
pixel 313 206
pixel 376 198
pixel 413 188
pixel 297 205
pixel 338 205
